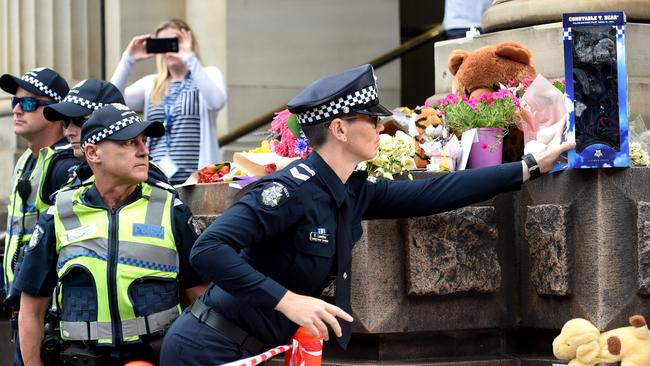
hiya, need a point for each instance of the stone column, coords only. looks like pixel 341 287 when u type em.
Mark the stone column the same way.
pixel 59 34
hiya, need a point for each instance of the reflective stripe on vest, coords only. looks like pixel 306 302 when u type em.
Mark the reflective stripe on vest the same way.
pixel 19 231
pixel 91 331
pixel 145 248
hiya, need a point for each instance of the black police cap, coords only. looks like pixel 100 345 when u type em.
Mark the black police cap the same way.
pixel 118 123
pixel 350 92
pixel 40 81
pixel 84 98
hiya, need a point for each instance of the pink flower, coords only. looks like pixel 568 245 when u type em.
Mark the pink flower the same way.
pixel 485 146
pixel 279 148
pixel 526 82
pixel 449 99
pixel 279 122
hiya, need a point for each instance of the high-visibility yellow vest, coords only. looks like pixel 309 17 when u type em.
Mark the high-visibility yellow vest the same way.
pixel 117 249
pixel 21 219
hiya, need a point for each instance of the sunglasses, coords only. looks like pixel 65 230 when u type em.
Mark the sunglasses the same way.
pixel 29 104
pixel 374 120
pixel 77 121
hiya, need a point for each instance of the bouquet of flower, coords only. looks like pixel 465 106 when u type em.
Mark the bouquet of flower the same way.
pixel 286 138
pixel 394 156
pixel 494 110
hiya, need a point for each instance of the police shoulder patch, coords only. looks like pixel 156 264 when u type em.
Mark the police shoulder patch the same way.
pixel 274 194
pixel 37 235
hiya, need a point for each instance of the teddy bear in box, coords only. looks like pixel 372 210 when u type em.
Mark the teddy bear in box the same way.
pixel 482 71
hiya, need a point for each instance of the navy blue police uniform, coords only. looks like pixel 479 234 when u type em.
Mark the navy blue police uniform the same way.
pixel 38 275
pixel 284 234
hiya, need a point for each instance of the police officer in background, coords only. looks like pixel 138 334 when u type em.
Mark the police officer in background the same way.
pixel 40 171
pixel 116 251
pixel 84 98
pixel 272 253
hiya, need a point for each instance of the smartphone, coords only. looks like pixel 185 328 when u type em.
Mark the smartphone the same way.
pixel 162 45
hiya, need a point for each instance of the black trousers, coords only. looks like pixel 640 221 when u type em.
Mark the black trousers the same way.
pixel 190 342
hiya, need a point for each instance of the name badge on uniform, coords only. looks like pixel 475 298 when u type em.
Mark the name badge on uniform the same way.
pixel 81 232
pixel 319 236
pixel 152 231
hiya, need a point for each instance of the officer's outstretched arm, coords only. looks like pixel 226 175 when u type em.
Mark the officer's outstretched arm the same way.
pixel 312 313
pixel 30 327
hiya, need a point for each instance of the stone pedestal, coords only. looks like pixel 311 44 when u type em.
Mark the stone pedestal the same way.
pixel 498 278
pixel 509 14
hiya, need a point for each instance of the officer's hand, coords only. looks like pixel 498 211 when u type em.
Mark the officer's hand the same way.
pixel 547 158
pixel 313 314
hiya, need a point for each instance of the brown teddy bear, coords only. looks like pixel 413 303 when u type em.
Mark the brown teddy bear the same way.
pixel 424 117
pixel 481 71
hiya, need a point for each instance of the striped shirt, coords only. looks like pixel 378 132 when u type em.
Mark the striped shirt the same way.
pixel 185 132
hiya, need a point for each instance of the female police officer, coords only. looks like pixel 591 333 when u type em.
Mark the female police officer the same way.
pixel 115 248
pixel 271 254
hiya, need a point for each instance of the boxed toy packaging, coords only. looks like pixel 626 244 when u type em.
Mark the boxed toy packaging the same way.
pixel 596 83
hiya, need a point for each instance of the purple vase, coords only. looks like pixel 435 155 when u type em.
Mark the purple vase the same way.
pixel 487 151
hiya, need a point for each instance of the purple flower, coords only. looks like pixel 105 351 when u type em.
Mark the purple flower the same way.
pixel 301 146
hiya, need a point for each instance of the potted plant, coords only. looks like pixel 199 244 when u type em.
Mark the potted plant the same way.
pixel 490 114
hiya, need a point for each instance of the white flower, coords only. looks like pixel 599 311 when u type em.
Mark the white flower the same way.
pixel 408 162
pixel 362 166
pixel 386 142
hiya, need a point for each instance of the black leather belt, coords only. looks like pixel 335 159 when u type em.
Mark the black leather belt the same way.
pixel 216 321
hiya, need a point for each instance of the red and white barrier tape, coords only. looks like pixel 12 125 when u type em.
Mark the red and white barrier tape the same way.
pixel 262 357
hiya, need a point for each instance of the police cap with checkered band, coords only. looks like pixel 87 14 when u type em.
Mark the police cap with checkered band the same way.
pixel 40 81
pixel 84 98
pixel 117 122
pixel 350 92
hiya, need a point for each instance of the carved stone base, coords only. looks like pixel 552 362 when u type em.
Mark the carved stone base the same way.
pixel 453 253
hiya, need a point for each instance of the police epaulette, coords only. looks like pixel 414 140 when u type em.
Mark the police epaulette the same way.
pixel 63 147
pixel 68 188
pixel 163 185
pixel 301 173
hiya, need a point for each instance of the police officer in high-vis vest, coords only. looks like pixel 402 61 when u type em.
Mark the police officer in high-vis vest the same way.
pixel 113 252
pixel 40 171
pixel 272 253
pixel 84 98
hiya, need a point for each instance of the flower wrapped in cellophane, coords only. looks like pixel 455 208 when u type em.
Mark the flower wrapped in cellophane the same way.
pixel 394 156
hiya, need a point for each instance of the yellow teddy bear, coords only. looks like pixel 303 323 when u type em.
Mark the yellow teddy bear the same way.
pixel 582 343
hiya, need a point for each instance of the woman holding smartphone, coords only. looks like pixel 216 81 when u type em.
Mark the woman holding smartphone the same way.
pixel 184 95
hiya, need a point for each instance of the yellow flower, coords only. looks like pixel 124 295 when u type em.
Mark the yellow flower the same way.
pixel 265 147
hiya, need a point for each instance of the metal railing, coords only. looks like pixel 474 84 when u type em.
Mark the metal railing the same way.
pixel 378 62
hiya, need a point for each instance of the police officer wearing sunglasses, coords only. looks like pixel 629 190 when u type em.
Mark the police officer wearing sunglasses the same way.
pixel 40 171
pixel 84 98
pixel 272 253
pixel 115 251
